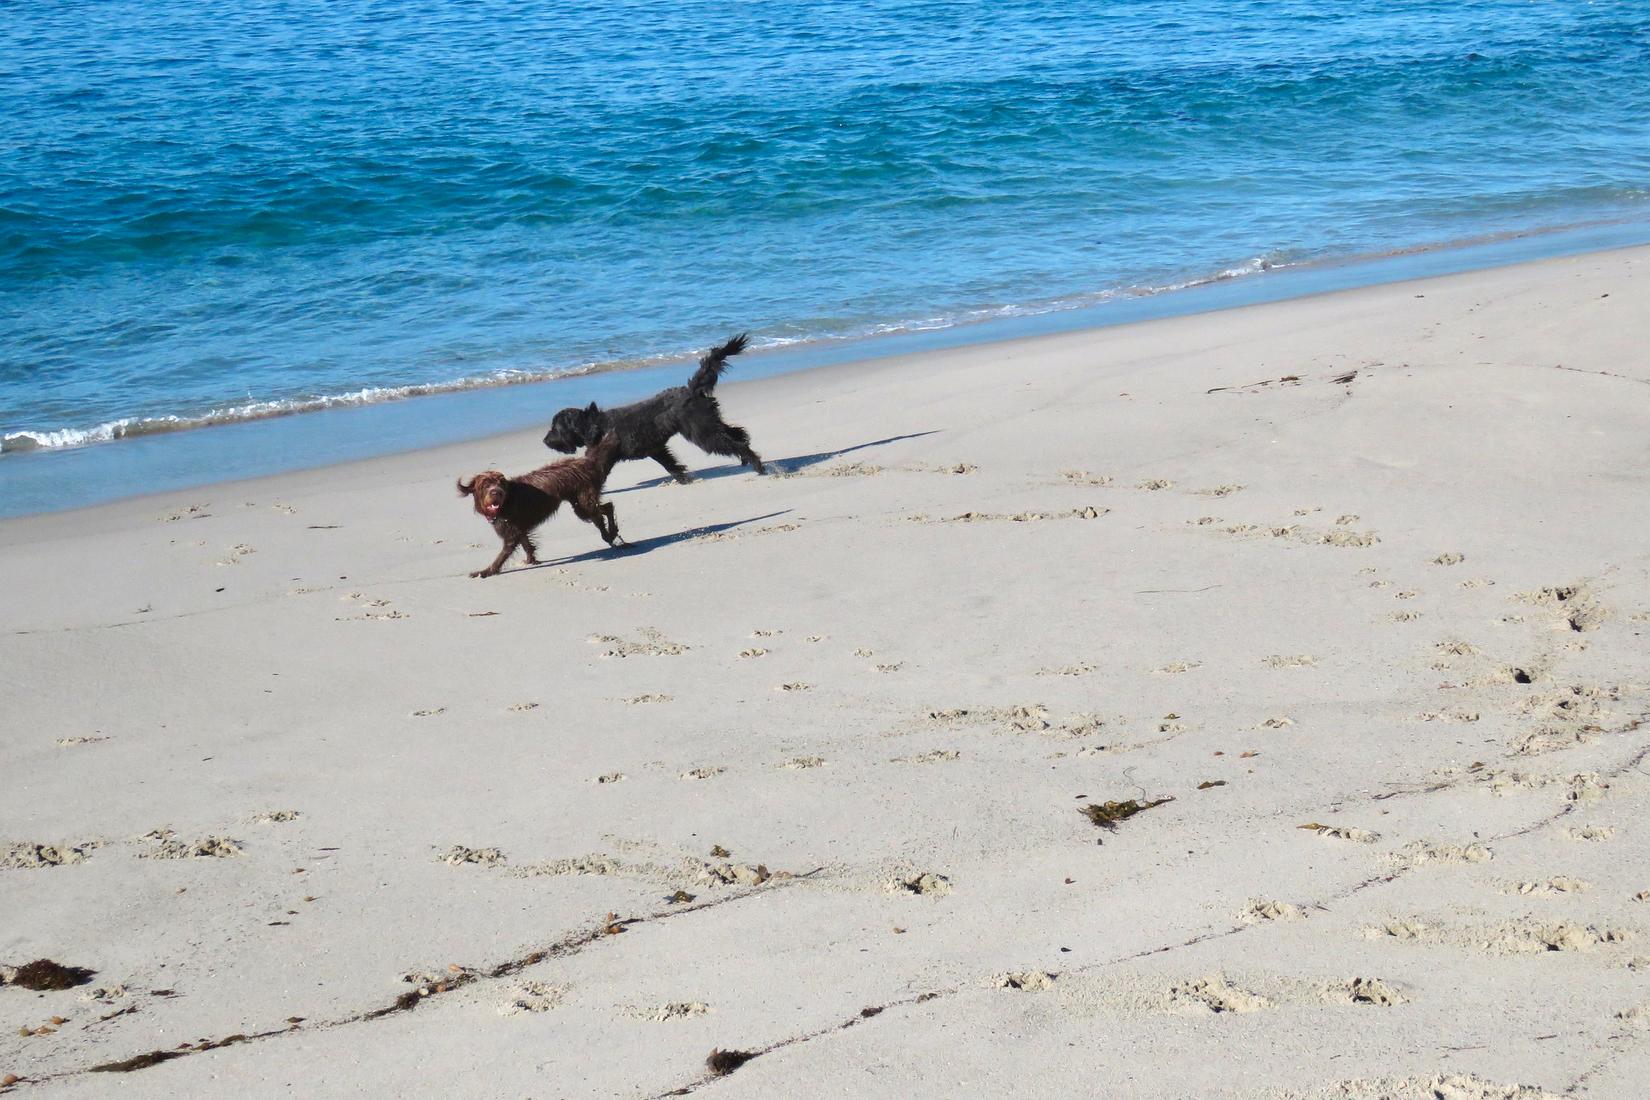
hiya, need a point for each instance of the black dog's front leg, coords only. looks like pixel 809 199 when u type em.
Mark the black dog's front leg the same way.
pixel 676 470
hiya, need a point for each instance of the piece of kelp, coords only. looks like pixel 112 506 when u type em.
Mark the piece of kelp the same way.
pixel 1108 815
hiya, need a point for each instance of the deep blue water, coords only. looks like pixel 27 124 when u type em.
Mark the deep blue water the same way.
pixel 213 211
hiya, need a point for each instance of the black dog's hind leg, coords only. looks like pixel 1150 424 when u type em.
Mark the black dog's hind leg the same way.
pixel 672 466
pixel 726 439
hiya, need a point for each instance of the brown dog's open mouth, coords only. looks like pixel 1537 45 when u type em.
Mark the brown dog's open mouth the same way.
pixel 489 510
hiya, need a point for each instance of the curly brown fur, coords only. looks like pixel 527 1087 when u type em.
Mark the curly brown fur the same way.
pixel 646 428
pixel 516 506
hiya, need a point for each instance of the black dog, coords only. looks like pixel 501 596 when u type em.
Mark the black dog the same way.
pixel 645 428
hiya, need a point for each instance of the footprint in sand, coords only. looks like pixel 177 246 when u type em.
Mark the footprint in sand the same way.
pixel 927 884
pixel 1556 886
pixel 641 700
pixel 1174 668
pixel 649 643
pixel 1089 512
pixel 519 708
pixel 794 687
pixel 1311 536
pixel 166 846
pixel 1216 491
pixel 1263 909
pixel 531 997
pixel 1342 832
pixel 236 553
pixel 1453 716
pixel 610 777
pixel 1279 660
pixel 431 713
pixel 1030 981
pixel 1577 607
pixel 1451 558
pixel 754 651
pixel 1364 991
pixel 801 763
pixel 70 742
pixel 1418 852
pixel 29 856
pixel 1083 477
pixel 1211 996
pixel 1155 484
pixel 1066 670
pixel 702 773
pixel 275 817
pixel 730 536
pixel 1591 833
pixel 459 855
pixel 673 1010
pixel 933 756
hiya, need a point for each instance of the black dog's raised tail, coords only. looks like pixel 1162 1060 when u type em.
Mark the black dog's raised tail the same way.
pixel 714 363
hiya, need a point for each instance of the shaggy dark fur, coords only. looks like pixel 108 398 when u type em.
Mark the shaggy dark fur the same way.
pixel 646 428
pixel 515 506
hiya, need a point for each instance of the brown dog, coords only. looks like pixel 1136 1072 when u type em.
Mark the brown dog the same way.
pixel 515 506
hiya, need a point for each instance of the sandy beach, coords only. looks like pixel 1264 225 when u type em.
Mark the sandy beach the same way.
pixel 1345 596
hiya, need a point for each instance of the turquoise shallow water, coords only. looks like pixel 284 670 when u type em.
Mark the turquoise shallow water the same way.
pixel 215 214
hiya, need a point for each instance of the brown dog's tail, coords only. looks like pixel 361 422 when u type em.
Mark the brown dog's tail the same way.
pixel 714 363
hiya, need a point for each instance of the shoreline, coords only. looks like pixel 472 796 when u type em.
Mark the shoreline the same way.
pixel 31 482
pixel 1320 584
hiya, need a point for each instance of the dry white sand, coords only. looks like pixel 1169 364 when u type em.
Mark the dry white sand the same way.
pixel 802 773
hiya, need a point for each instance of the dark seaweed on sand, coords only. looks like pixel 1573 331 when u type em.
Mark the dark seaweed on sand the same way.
pixel 43 974
pixel 1108 814
pixel 723 1062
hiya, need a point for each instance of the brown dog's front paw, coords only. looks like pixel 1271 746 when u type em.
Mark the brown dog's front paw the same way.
pixel 484 572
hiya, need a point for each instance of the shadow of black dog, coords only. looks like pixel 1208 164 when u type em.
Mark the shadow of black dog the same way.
pixel 778 466
pixel 645 546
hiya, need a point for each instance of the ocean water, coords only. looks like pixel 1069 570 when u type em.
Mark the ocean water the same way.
pixel 216 213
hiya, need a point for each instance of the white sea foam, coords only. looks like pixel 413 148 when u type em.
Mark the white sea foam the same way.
pixel 26 440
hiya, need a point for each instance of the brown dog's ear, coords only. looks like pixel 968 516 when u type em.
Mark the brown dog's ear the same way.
pixel 465 490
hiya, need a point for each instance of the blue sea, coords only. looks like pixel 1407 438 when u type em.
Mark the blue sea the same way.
pixel 221 213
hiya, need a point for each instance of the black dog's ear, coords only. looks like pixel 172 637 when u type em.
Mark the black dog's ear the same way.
pixel 592 410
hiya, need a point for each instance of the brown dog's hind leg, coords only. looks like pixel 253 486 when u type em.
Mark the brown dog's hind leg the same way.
pixel 612 532
pixel 591 514
pixel 532 551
